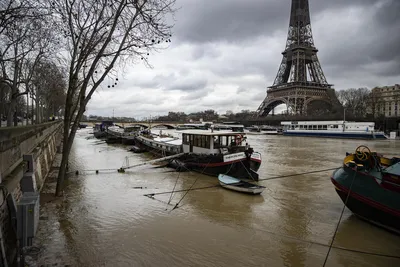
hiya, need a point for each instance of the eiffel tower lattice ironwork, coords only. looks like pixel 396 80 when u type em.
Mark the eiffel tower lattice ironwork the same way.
pixel 300 79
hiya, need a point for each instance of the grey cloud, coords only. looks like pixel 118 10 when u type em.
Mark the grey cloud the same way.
pixel 196 96
pixel 188 84
pixel 204 51
pixel 182 80
pixel 237 20
pixel 377 40
pixel 241 89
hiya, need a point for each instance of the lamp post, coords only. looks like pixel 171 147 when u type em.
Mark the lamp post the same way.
pixel 344 114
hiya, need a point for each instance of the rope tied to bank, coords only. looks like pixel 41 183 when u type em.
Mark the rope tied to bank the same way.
pixel 340 219
pixel 214 186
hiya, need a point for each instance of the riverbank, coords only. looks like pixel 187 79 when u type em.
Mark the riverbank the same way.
pixel 50 235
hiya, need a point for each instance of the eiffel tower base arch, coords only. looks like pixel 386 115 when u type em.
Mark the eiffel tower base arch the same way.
pixel 301 100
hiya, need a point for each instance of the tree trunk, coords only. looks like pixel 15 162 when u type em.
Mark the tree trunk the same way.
pixel 65 155
pixel 2 100
pixel 68 139
pixel 27 109
pixel 15 115
pixel 33 114
pixel 10 115
pixel 37 111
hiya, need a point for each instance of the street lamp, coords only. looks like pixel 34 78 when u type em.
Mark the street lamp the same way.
pixel 344 114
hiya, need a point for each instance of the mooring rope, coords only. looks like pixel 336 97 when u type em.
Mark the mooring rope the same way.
pixel 272 178
pixel 340 218
pixel 176 205
pixel 170 197
pixel 297 174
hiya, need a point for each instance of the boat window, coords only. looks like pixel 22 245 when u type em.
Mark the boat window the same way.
pixel 185 139
pixel 217 143
pixel 195 140
pixel 203 141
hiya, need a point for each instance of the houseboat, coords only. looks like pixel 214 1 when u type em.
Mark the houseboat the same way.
pixel 125 135
pixel 209 152
pixel 338 129
pixel 270 130
pixel 229 127
pixel 369 185
pixel 192 125
pixel 159 145
pixel 99 129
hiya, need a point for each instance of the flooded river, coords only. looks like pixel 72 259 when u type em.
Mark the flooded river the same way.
pixel 106 220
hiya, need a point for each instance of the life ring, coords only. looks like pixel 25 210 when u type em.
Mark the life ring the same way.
pixel 239 139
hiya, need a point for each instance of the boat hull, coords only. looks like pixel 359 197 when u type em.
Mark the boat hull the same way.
pixel 369 213
pixel 213 165
pixel 238 185
pixel 332 134
pixel 368 198
pixel 100 134
pixel 253 191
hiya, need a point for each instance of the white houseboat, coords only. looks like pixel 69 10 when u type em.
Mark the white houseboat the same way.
pixel 338 129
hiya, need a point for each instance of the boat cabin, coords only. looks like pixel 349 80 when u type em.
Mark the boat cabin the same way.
pixel 203 142
pixel 133 128
pixel 201 125
pixel 328 126
pixel 232 127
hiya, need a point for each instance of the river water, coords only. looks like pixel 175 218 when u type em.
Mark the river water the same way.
pixel 106 220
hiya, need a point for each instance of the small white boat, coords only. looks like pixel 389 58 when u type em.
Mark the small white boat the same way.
pixel 235 184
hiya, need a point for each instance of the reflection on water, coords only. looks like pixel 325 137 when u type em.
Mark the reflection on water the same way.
pixel 107 221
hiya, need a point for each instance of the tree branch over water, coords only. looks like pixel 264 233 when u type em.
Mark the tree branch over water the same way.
pixel 99 36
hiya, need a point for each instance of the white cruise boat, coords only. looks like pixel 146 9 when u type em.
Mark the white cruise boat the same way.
pixel 338 129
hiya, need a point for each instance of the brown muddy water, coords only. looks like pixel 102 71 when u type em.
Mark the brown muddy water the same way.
pixel 105 220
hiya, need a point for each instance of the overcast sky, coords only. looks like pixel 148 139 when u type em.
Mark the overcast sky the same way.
pixel 225 53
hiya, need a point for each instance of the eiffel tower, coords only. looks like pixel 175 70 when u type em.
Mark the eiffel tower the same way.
pixel 300 82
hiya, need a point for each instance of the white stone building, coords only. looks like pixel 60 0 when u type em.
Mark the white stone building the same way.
pixel 385 101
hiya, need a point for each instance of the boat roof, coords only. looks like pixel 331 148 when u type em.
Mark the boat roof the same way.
pixel 229 125
pixel 324 122
pixel 394 169
pixel 209 133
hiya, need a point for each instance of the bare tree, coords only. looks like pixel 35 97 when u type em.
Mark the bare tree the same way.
pixel 10 10
pixel 48 89
pixel 24 41
pixel 373 102
pixel 99 35
pixel 354 100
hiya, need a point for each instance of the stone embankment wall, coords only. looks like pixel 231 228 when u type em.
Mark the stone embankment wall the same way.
pixel 18 146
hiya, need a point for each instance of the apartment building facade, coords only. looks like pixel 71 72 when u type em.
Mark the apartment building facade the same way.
pixel 385 101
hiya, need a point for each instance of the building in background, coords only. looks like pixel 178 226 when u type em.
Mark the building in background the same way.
pixel 385 101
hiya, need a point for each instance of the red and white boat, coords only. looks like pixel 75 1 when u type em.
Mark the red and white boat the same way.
pixel 209 152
